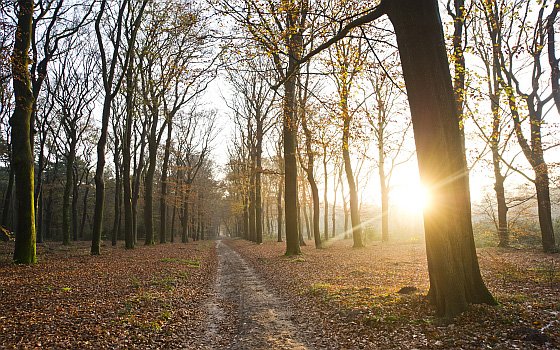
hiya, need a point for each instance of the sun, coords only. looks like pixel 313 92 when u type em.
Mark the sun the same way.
pixel 412 198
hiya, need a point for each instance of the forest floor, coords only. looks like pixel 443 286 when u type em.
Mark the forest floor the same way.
pixel 345 298
pixel 232 294
pixel 145 298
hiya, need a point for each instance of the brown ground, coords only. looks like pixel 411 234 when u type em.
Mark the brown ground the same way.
pixel 144 298
pixel 238 295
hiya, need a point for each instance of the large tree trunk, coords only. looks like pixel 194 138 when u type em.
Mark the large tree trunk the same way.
pixel 290 126
pixel 455 279
pixel 542 181
pixel 162 200
pixel 22 150
pixel 126 159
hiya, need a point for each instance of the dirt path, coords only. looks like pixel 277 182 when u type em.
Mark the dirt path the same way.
pixel 244 313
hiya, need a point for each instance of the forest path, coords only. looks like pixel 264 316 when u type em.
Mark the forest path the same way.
pixel 244 313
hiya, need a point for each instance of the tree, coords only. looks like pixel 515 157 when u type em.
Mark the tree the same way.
pixel 347 58
pixel 308 166
pixel 390 138
pixel 455 278
pixel 533 98
pixel 73 94
pixel 277 28
pixel 253 102
pixel 493 22
pixel 112 79
pixel 22 157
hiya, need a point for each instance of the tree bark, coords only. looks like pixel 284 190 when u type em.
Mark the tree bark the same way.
pixel 22 150
pixel 164 170
pixel 149 183
pixel 455 279
pixel 126 159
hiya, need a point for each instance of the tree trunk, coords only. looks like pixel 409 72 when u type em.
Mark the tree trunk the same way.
pixel 149 184
pixel 48 216
pixel 258 184
pixel 126 159
pixel 334 207
pixel 252 201
pixel 383 177
pixel 117 212
pixel 74 209
pixel 354 208
pixel 39 184
pixel 455 278
pixel 84 211
pixel 99 179
pixel 173 220
pixel 552 59
pixel 67 193
pixel 8 196
pixel 22 150
pixel 279 209
pixel 325 198
pixel 305 214
pixel 162 200
pixel 316 211
pixel 185 218
pixel 245 217
pixel 290 126
pixel 544 208
pixel 136 188
pixel 503 234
